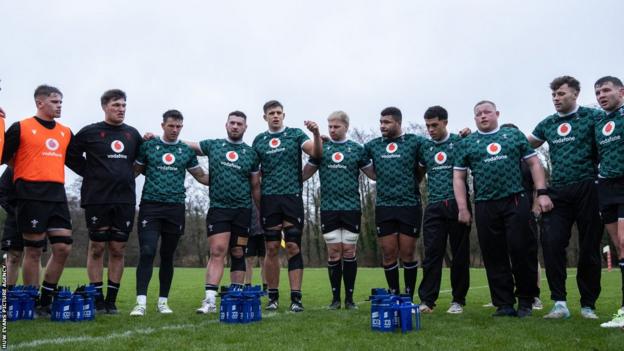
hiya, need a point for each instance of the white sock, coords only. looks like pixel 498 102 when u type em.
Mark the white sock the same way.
pixel 162 300
pixel 142 300
pixel 562 303
pixel 211 296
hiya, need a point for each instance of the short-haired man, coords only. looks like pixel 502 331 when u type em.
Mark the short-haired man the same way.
pixel 39 149
pixel 281 205
pixel 609 137
pixel 398 211
pixel 501 208
pixel 234 177
pixel 570 137
pixel 440 219
pixel 108 193
pixel 339 172
pixel 164 161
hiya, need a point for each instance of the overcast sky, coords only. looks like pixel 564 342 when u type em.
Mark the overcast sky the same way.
pixel 207 58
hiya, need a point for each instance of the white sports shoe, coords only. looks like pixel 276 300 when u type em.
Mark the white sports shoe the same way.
pixel 164 308
pixel 537 304
pixel 617 321
pixel 207 307
pixel 589 313
pixel 455 308
pixel 138 310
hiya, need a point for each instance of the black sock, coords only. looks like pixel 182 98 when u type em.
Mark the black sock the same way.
pixel 410 269
pixel 273 294
pixel 621 263
pixel 11 287
pixel 99 289
pixel 295 295
pixel 247 285
pixel 264 287
pixel 392 277
pixel 334 268
pixel 349 272
pixel 47 291
pixel 112 290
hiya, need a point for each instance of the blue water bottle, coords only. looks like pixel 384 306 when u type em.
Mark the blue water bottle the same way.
pixel 29 294
pixel 88 311
pixel 14 310
pixel 61 306
pixel 77 307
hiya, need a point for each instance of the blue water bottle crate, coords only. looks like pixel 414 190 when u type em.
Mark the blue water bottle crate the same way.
pixel 390 312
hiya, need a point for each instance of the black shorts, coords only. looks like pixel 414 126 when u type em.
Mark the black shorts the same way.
pixel 161 216
pixel 228 220
pixel 117 216
pixel 255 246
pixel 611 199
pixel 398 219
pixel 11 238
pixel 332 220
pixel 275 209
pixel 41 216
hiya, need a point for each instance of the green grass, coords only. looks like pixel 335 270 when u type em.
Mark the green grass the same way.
pixel 318 328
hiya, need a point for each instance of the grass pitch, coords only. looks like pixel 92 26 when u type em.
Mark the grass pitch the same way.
pixel 318 328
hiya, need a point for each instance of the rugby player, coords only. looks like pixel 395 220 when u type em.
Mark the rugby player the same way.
pixel 281 206
pixel 501 208
pixel 339 171
pixel 570 136
pixel 398 210
pixel 108 193
pixel 164 161
pixel 609 138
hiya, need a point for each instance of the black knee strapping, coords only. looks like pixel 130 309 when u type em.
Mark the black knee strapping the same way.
pixel 273 235
pixel 118 235
pixel 35 243
pixel 293 235
pixel 99 235
pixel 60 240
pixel 295 262
pixel 237 264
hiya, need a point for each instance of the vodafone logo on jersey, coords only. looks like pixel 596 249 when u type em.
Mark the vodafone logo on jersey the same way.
pixel 231 156
pixel 494 149
pixel 564 129
pixel 392 148
pixel 337 157
pixel 275 142
pixel 117 146
pixel 608 128
pixel 52 144
pixel 440 158
pixel 168 159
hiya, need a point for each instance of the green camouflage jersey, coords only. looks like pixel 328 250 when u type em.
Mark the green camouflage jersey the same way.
pixel 437 157
pixel 165 168
pixel 280 160
pixel 396 162
pixel 230 165
pixel 339 173
pixel 609 134
pixel 571 145
pixel 494 160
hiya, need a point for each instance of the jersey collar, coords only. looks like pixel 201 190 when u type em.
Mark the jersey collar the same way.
pixel 446 138
pixel 279 131
pixel 490 132
pixel 396 138
pixel 620 108
pixel 339 141
pixel 576 108
pixel 233 141
pixel 169 142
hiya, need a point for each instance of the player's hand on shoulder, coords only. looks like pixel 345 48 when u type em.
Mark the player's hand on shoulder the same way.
pixel 149 136
pixel 464 132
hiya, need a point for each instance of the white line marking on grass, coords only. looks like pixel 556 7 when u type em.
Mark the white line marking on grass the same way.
pixel 126 334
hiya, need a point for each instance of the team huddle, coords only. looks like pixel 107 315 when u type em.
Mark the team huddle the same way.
pixel 256 193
